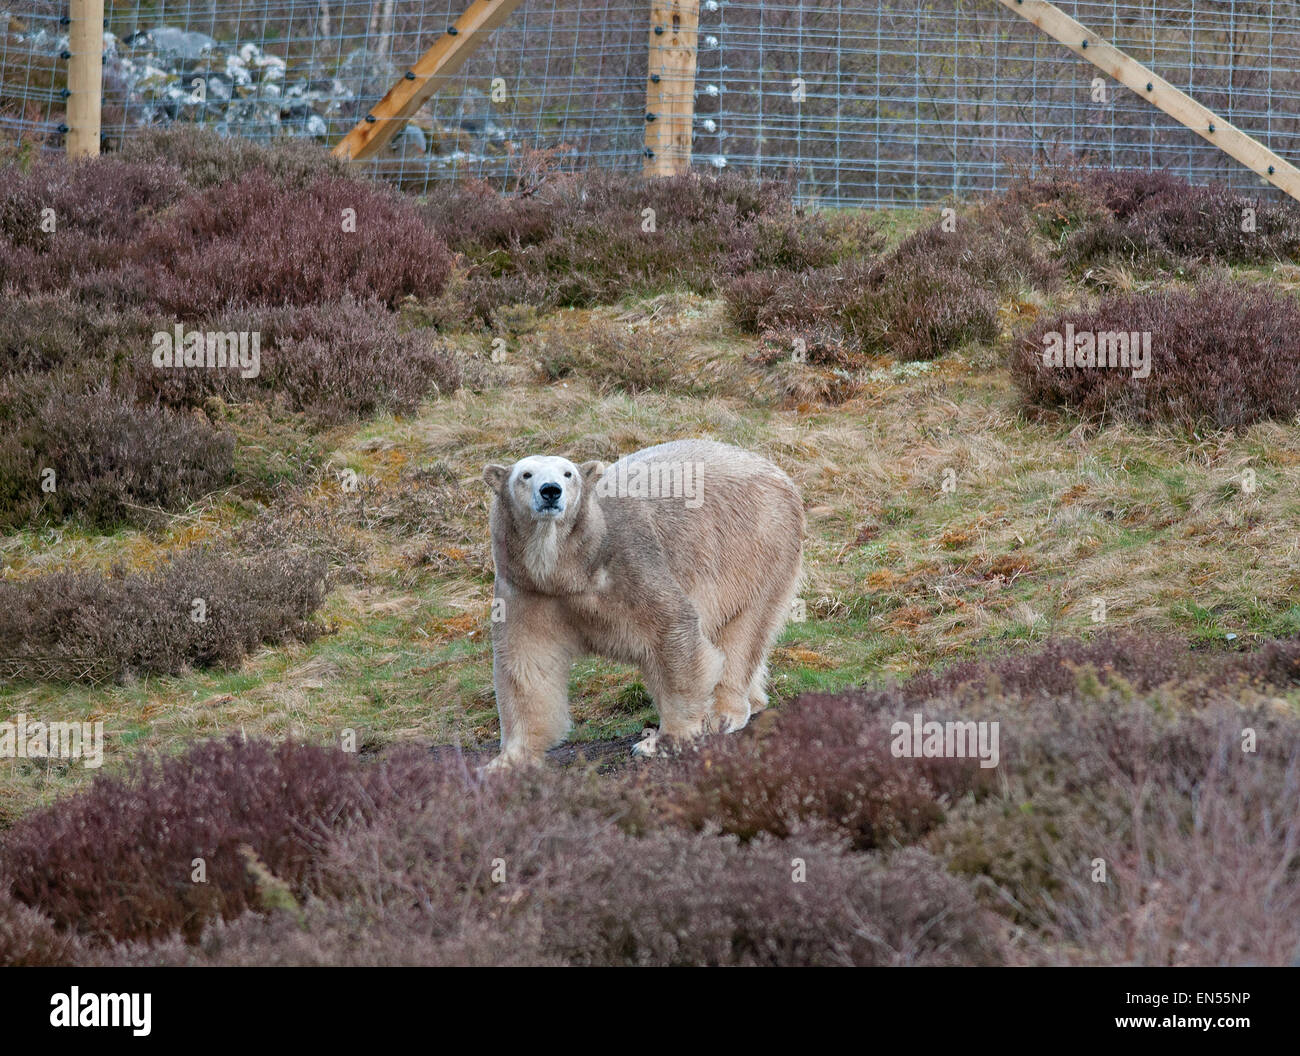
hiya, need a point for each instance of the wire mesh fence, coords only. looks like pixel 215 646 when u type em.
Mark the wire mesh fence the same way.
pixel 892 102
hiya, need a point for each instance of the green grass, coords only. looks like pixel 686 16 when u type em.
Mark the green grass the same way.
pixel 1046 517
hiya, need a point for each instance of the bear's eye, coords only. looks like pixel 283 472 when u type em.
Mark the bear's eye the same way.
pixel 567 473
pixel 528 476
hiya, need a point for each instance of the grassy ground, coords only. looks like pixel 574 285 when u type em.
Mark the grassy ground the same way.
pixel 943 523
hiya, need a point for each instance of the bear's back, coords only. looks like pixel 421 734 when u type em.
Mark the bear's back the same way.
pixel 740 521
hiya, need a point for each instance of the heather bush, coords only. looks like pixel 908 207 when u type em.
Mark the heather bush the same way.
pixel 112 460
pixel 207 159
pixel 704 900
pixel 989 245
pixel 1096 216
pixel 940 288
pixel 80 395
pixel 1121 662
pixel 397 863
pixel 1110 749
pixel 752 303
pixel 616 900
pixel 916 308
pixel 330 934
pixel 1223 355
pixel 584 884
pixel 116 862
pixel 820 346
pixel 145 623
pixel 1139 661
pixel 1056 203
pixel 100 209
pixel 936 291
pixel 475 219
pixel 1201 860
pixel 763 300
pixel 255 242
pixel 827 762
pixel 255 227
pixel 335 361
pixel 579 240
pixel 1275 663
pixel 29 939
pixel 1185 820
pixel 215 235
pixel 911 307
pixel 44 332
pixel 1216 223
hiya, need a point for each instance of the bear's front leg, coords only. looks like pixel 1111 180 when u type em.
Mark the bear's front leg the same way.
pixel 532 652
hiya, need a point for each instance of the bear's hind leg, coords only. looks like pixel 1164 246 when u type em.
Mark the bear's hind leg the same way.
pixel 682 675
pixel 743 642
pixel 758 690
pixel 746 640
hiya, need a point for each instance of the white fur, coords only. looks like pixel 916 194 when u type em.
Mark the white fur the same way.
pixel 693 587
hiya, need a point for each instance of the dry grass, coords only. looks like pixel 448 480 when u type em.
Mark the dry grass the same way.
pixel 1041 519
pixel 945 524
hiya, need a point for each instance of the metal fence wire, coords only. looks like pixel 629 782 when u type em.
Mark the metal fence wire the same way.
pixel 885 103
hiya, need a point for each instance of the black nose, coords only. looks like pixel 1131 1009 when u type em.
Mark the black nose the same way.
pixel 551 492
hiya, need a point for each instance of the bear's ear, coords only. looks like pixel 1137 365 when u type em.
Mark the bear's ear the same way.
pixel 495 477
pixel 591 472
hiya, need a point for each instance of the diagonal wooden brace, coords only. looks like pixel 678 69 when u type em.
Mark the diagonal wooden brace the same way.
pixel 1160 93
pixel 433 70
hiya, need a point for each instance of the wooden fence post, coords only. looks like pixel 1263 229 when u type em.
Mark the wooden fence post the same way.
pixel 670 89
pixel 85 77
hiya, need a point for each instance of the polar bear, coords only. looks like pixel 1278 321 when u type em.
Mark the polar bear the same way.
pixel 683 559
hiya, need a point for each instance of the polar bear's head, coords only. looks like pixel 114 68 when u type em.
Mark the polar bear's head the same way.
pixel 543 487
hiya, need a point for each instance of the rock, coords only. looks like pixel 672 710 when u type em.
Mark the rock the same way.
pixel 152 82
pixel 410 140
pixel 365 75
pixel 237 71
pixel 272 67
pixel 220 87
pixel 255 118
pixel 42 42
pixel 179 43
pixel 168 73
pixel 298 118
pixel 475 111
